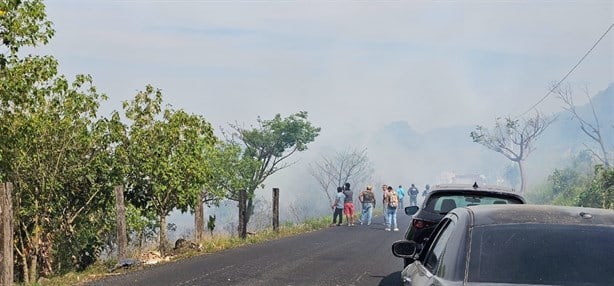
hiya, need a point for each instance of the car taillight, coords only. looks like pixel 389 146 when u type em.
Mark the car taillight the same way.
pixel 418 223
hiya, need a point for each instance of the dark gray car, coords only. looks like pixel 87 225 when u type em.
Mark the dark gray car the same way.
pixel 443 198
pixel 515 245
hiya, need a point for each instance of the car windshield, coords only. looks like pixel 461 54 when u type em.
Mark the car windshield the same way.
pixel 445 203
pixel 542 254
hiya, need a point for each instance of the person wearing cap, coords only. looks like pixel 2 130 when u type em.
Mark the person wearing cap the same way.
pixel 367 198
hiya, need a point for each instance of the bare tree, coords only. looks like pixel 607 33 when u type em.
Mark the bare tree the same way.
pixel 346 166
pixel 591 129
pixel 513 138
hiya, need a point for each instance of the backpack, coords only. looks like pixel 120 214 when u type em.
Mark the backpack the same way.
pixel 393 200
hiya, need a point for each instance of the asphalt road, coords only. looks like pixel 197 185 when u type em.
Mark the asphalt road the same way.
pixel 343 255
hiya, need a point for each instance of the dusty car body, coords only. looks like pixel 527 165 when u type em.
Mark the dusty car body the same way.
pixel 515 245
pixel 443 198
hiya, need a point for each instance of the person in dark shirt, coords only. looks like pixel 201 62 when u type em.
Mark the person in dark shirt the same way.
pixel 413 195
pixel 348 204
pixel 367 198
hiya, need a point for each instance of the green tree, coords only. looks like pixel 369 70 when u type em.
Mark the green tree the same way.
pixel 579 184
pixel 265 150
pixel 513 138
pixel 599 192
pixel 217 167
pixel 57 158
pixel 165 150
pixel 54 147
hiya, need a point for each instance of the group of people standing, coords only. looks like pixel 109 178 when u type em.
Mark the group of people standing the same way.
pixel 391 200
pixel 344 204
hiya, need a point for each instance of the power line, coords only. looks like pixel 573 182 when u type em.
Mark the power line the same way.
pixel 570 71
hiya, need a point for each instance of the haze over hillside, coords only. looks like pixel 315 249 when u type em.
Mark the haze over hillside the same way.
pixel 401 155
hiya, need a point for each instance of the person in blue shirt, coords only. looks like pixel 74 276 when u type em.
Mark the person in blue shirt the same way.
pixel 400 194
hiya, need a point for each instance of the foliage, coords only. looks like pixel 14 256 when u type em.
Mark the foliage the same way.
pixel 166 151
pixel 513 138
pixel 59 165
pixel 53 148
pixel 600 190
pixel 265 150
pixel 578 185
pixel 22 23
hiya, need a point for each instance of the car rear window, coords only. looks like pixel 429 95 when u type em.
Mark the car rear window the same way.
pixel 446 202
pixel 542 254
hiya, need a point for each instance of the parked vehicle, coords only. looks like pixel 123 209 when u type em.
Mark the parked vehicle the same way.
pixel 444 198
pixel 514 245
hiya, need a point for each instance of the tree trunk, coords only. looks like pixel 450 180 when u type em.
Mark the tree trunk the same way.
pixel 24 267
pixel 199 217
pixel 162 245
pixel 242 214
pixel 33 249
pixel 6 221
pixel 122 238
pixel 523 176
pixel 33 265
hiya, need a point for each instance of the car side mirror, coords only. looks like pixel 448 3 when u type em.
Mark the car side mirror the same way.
pixel 404 248
pixel 411 210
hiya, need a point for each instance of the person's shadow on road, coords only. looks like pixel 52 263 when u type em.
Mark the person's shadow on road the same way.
pixel 393 278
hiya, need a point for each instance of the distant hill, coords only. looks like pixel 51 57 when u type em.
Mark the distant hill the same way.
pixel 423 157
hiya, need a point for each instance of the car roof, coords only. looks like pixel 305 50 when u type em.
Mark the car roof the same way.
pixel 539 214
pixel 470 187
pixel 484 190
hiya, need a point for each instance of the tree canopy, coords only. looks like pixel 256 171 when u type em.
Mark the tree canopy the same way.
pixel 513 138
pixel 265 149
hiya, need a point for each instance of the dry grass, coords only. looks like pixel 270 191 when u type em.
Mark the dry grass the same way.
pixel 210 244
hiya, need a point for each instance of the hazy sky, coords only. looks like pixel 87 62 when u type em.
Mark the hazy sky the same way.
pixel 351 65
pixel 354 66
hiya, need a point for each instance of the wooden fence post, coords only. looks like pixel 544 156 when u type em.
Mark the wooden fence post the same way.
pixel 276 209
pixel 6 222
